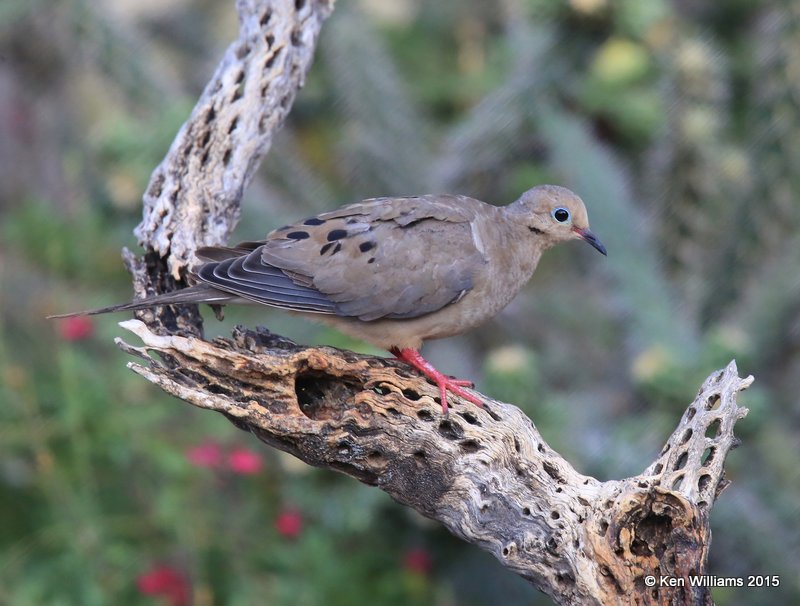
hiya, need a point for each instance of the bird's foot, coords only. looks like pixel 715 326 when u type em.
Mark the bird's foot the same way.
pixel 414 359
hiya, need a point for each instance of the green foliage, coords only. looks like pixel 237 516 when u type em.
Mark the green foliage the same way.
pixel 677 125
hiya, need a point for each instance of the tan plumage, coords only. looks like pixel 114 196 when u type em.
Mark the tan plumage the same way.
pixel 393 271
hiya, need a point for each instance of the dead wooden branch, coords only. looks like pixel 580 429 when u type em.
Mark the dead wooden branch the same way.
pixel 486 474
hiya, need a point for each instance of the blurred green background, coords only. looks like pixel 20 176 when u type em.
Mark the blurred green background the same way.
pixel 678 122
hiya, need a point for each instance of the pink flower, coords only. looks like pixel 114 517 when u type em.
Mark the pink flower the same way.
pixel 168 582
pixel 244 461
pixel 418 561
pixel 207 455
pixel 289 523
pixel 76 328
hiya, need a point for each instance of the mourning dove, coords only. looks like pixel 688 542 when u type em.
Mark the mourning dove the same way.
pixel 393 272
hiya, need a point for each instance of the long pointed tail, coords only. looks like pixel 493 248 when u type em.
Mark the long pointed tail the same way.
pixel 199 293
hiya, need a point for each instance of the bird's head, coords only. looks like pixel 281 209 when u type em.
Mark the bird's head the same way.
pixel 555 214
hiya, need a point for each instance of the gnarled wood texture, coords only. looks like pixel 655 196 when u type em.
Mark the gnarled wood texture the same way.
pixel 485 473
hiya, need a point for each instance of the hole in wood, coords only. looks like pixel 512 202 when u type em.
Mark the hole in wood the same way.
pixel 425 415
pixel 658 468
pixel 412 395
pixel 450 430
pixel 687 435
pixel 676 483
pixel 470 418
pixel 681 462
pixel 381 389
pixel 526 511
pixel 265 18
pixel 690 413
pixel 299 4
pixel 470 446
pixel 702 483
pixel 552 471
pixel 713 402
pixel 516 445
pixel 321 396
pixel 420 455
pixel 708 455
pixel 713 430
pixel 555 515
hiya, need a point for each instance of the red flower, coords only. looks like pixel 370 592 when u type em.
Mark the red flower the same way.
pixel 289 523
pixel 244 461
pixel 168 582
pixel 207 454
pixel 418 561
pixel 76 328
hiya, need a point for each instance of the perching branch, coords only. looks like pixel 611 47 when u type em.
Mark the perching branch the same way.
pixel 485 473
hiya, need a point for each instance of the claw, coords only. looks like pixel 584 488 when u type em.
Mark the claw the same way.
pixel 414 359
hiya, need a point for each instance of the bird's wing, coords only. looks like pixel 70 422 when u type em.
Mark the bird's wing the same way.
pixel 395 258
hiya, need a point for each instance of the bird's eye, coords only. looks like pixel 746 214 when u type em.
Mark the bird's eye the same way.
pixel 561 215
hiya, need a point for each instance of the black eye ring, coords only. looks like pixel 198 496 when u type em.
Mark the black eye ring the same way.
pixel 561 215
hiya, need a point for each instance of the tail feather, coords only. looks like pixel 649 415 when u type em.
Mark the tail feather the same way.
pixel 199 293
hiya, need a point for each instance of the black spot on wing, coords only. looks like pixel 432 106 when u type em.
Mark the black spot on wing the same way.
pixel 298 235
pixel 336 234
pixel 366 246
pixel 336 246
pixel 314 221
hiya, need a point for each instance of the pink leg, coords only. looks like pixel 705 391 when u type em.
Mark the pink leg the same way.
pixel 414 359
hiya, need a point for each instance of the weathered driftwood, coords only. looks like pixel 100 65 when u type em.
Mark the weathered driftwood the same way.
pixel 486 474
